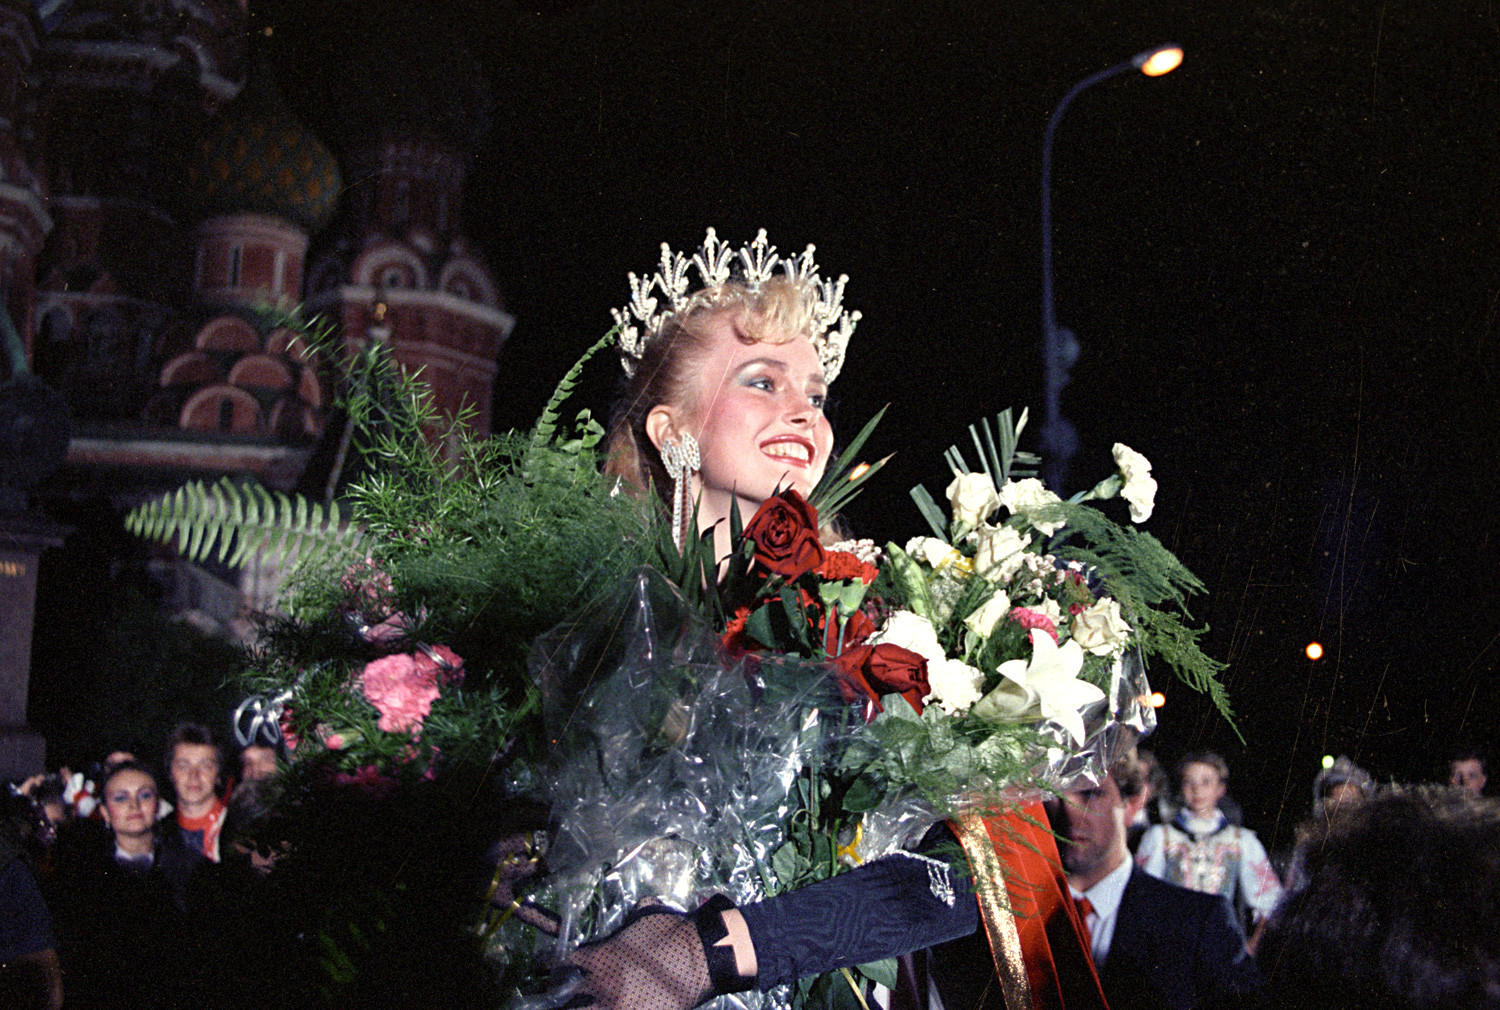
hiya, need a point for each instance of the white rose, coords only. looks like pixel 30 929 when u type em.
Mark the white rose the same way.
pixel 983 620
pixel 1140 486
pixel 1101 629
pixel 973 498
pixel 910 631
pixel 954 685
pixel 1000 554
pixel 931 550
pixel 1028 497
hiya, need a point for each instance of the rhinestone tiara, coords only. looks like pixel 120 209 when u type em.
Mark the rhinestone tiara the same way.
pixel 716 262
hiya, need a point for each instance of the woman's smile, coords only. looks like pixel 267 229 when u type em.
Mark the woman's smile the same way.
pixel 792 448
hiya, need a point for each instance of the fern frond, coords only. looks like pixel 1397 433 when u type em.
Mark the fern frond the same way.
pixel 241 521
pixel 546 425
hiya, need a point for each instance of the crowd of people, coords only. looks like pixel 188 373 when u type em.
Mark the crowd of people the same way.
pixel 117 896
pixel 129 888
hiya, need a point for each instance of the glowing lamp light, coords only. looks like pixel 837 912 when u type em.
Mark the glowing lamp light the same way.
pixel 1327 760
pixel 1158 61
pixel 1156 699
pixel 1314 651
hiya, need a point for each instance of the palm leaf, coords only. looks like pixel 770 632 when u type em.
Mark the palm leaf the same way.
pixel 839 485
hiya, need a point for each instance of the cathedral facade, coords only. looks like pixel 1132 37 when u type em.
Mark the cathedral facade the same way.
pixel 160 201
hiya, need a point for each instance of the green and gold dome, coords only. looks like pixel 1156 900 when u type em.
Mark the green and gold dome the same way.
pixel 257 158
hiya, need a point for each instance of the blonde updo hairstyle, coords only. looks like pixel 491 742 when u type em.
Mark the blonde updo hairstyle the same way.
pixel 671 365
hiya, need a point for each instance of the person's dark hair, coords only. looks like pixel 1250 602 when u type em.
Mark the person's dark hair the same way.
pixel 1342 772
pixel 50 789
pixel 252 808
pixel 1204 757
pixel 24 827
pixel 123 766
pixel 1399 908
pixel 1129 776
pixel 1156 775
pixel 192 733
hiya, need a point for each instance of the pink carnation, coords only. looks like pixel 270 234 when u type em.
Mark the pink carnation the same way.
pixel 439 659
pixel 403 687
pixel 402 690
pixel 1028 618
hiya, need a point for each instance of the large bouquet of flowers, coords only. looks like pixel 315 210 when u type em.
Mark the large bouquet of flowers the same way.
pixel 497 644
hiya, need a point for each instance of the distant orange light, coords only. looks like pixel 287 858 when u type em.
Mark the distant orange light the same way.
pixel 1156 699
pixel 1163 61
pixel 858 472
pixel 1314 651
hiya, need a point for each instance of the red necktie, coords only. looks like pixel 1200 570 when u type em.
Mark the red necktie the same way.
pixel 1085 909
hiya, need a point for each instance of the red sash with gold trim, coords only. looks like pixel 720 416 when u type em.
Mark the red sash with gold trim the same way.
pixel 1036 935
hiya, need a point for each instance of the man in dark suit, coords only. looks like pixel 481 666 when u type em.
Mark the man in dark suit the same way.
pixel 1156 944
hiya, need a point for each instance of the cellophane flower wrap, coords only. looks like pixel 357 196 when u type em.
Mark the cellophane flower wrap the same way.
pixel 676 769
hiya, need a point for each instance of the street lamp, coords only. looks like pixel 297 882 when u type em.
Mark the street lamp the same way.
pixel 1059 345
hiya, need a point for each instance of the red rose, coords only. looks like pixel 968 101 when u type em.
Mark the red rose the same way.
pixel 785 533
pixel 868 671
pixel 839 566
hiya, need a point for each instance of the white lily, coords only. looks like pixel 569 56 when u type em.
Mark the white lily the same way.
pixel 1047 684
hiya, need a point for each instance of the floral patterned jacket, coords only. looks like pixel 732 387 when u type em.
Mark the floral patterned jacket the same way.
pixel 1228 860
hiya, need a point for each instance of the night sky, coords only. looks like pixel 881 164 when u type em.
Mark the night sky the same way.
pixel 1280 260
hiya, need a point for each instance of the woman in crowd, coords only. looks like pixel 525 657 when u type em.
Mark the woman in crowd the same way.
pixel 724 408
pixel 119 902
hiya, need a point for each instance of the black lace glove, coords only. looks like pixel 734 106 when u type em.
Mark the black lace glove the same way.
pixel 659 960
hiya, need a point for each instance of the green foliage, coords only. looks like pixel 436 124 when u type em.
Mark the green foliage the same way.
pixel 1153 587
pixel 843 479
pixel 545 432
pixel 947 760
pixel 998 457
pixel 234 523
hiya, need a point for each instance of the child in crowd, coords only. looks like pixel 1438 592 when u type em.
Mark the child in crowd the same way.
pixel 1201 850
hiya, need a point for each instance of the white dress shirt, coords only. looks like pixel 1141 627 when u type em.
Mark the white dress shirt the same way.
pixel 1105 897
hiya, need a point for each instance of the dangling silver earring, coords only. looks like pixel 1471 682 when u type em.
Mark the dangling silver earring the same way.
pixel 681 459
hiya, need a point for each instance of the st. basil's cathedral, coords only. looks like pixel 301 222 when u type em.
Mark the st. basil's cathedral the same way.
pixel 157 194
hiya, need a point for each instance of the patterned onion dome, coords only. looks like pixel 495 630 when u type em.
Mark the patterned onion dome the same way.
pixel 256 157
